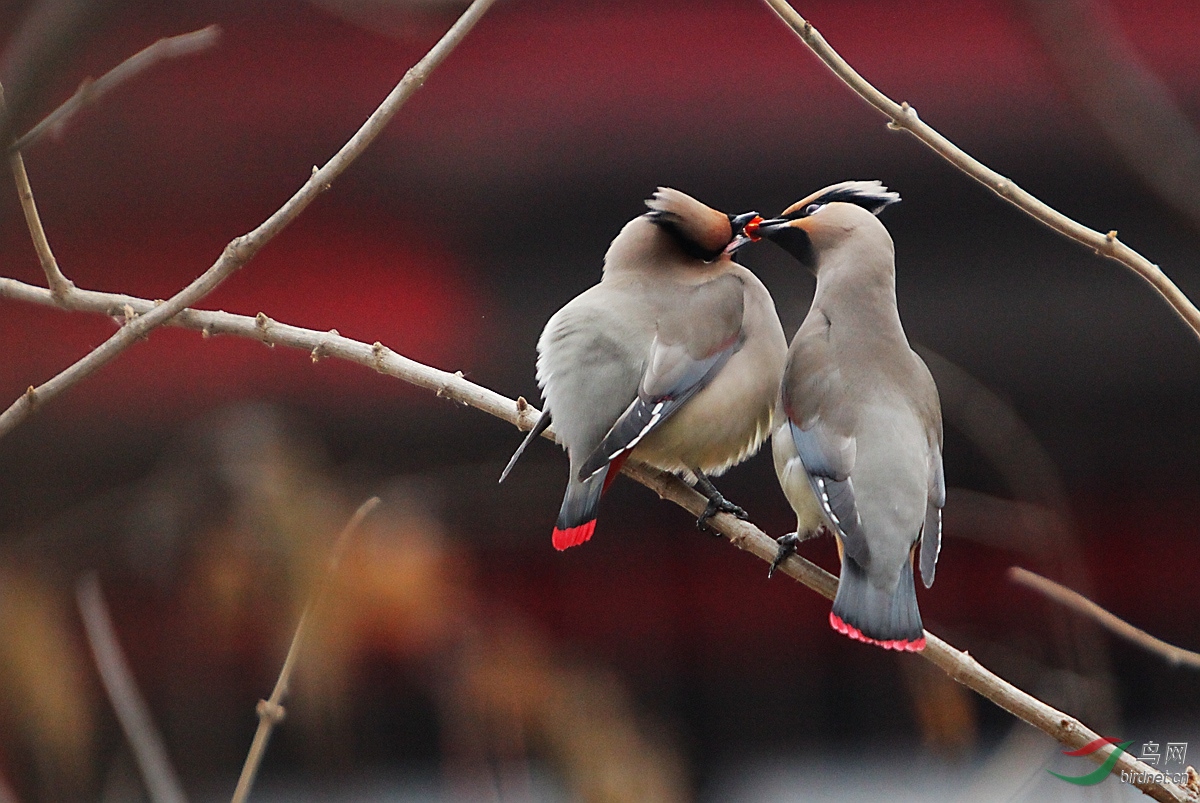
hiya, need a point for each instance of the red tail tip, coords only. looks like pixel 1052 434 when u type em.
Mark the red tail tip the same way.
pixel 901 645
pixel 573 536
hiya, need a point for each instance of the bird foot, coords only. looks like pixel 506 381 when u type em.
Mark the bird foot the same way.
pixel 716 502
pixel 719 504
pixel 787 545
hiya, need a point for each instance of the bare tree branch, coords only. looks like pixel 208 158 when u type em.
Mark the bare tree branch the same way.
pixel 90 91
pixel 271 712
pixel 959 665
pixel 48 31
pixel 162 784
pixel 903 117
pixel 59 284
pixel 1077 602
pixel 242 249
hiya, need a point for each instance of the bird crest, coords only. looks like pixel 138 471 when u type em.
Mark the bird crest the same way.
pixel 700 230
pixel 870 195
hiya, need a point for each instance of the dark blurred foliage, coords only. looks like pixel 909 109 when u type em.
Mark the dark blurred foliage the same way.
pixel 462 642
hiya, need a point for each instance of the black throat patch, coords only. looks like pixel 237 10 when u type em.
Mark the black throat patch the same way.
pixel 797 243
pixel 670 223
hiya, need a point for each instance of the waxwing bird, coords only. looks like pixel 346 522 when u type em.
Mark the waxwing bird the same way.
pixel 857 439
pixel 675 357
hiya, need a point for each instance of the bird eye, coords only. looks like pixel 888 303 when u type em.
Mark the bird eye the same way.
pixel 812 208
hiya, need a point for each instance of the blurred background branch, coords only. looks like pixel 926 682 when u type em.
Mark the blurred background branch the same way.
pixel 1176 656
pixel 271 711
pixel 92 90
pixel 162 784
pixel 235 531
pixel 39 44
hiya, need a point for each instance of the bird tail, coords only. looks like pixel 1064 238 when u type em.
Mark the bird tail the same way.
pixel 889 619
pixel 577 516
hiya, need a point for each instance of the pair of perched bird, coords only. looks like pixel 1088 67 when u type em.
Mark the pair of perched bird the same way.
pixel 678 359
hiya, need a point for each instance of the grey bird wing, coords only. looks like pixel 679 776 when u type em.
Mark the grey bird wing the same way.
pixel 821 422
pixel 698 329
pixel 591 357
pixel 931 530
pixel 930 412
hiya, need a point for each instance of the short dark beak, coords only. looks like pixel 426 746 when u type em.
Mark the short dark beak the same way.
pixel 742 237
pixel 791 237
pixel 768 227
pixel 739 222
pixel 754 229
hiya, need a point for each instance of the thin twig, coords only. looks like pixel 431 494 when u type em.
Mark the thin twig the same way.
pixel 271 711
pixel 90 91
pixel 59 284
pixel 240 250
pixel 162 784
pixel 1176 656
pixel 1065 729
pixel 904 117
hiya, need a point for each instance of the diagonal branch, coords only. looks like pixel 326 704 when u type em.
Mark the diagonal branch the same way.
pixel 90 91
pixel 271 711
pixel 904 117
pixel 242 249
pixel 59 284
pixel 959 665
pixel 1176 656
pixel 162 784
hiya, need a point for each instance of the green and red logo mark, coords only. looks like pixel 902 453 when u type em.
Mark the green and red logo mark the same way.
pixel 1100 773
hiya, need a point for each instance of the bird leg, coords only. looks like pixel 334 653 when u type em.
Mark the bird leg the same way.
pixel 716 502
pixel 787 545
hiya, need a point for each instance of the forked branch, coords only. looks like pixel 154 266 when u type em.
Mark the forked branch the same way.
pixel 242 249
pixel 59 284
